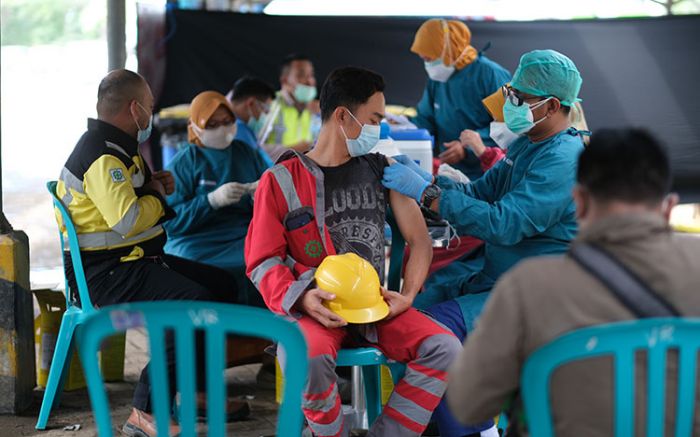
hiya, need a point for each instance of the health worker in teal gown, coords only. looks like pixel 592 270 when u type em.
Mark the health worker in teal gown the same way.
pixel 215 179
pixel 523 206
pixel 458 79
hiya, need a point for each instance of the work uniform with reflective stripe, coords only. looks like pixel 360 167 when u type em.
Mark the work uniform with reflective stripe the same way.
pixel 103 187
pixel 282 253
pixel 291 126
pixel 118 222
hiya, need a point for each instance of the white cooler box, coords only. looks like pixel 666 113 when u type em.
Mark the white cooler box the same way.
pixel 417 144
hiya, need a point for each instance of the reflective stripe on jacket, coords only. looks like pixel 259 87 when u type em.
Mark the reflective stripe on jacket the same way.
pixel 102 185
pixel 281 260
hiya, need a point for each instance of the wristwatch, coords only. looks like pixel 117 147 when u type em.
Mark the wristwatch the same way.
pixel 431 193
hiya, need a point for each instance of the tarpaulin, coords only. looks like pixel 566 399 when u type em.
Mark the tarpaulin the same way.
pixel 636 72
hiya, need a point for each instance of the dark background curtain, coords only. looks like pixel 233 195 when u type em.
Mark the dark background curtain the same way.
pixel 636 72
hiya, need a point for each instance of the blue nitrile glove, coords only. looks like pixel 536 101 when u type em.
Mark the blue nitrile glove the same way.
pixel 402 179
pixel 408 162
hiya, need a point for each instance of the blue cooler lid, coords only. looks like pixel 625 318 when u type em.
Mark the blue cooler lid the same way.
pixel 411 135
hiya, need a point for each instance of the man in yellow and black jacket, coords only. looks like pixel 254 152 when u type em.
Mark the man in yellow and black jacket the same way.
pixel 117 205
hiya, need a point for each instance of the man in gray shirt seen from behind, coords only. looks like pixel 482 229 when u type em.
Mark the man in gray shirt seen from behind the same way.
pixel 623 208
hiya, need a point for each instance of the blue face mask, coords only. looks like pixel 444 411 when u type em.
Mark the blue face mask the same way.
pixel 143 134
pixel 519 119
pixel 368 138
pixel 304 93
pixel 256 123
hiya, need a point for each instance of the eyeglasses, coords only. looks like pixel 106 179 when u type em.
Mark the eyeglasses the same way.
pixel 213 124
pixel 516 98
pixel 513 96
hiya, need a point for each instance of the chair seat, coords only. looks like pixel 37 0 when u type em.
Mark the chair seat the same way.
pixel 363 356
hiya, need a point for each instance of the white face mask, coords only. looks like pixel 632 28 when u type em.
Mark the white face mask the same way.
pixel 217 138
pixel 500 133
pixel 437 70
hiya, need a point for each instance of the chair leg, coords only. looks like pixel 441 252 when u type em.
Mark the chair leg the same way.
pixel 397 371
pixel 373 392
pixel 64 374
pixel 58 371
pixel 502 422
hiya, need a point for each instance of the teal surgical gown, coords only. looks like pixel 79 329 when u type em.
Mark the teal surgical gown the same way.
pixel 201 233
pixel 521 207
pixel 446 109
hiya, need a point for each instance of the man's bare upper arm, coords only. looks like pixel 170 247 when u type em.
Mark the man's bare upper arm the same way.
pixel 408 217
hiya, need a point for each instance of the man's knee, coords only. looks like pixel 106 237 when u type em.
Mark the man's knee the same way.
pixel 440 350
pixel 453 348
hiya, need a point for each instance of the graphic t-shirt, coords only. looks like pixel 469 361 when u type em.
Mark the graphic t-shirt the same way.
pixel 356 208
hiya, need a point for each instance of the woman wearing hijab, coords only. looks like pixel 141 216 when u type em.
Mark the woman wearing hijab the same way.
pixel 215 180
pixel 459 78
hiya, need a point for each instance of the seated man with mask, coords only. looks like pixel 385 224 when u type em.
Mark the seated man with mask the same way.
pixel 623 207
pixel 215 177
pixel 331 201
pixel 295 123
pixel 250 100
pixel 119 210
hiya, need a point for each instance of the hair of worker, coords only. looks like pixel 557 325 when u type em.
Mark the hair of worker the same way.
pixel 627 165
pixel 251 87
pixel 289 59
pixel 117 89
pixel 349 87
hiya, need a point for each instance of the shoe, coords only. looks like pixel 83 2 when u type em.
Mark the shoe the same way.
pixel 235 411
pixel 141 424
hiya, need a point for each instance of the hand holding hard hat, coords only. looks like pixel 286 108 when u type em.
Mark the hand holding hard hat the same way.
pixel 311 303
pixel 355 284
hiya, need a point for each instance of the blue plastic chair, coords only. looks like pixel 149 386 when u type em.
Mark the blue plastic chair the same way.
pixel 370 359
pixel 72 319
pixel 621 341
pixel 183 318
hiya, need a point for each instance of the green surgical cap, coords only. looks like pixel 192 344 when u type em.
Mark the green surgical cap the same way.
pixel 547 73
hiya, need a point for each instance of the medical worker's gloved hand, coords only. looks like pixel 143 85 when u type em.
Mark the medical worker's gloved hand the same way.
pixel 402 179
pixel 227 194
pixel 252 187
pixel 408 162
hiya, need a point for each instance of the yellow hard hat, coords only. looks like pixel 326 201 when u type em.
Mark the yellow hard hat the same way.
pixel 355 283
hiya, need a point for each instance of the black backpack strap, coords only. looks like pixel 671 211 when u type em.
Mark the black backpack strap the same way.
pixel 622 282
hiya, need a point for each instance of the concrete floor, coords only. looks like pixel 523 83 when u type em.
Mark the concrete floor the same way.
pixel 75 405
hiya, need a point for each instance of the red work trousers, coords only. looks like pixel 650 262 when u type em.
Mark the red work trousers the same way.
pixel 425 346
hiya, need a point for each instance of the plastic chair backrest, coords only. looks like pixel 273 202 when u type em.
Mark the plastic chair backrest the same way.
pixel 183 318
pixel 73 245
pixel 655 336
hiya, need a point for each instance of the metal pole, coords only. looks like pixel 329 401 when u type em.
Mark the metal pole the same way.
pixel 5 226
pixel 359 406
pixel 116 33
